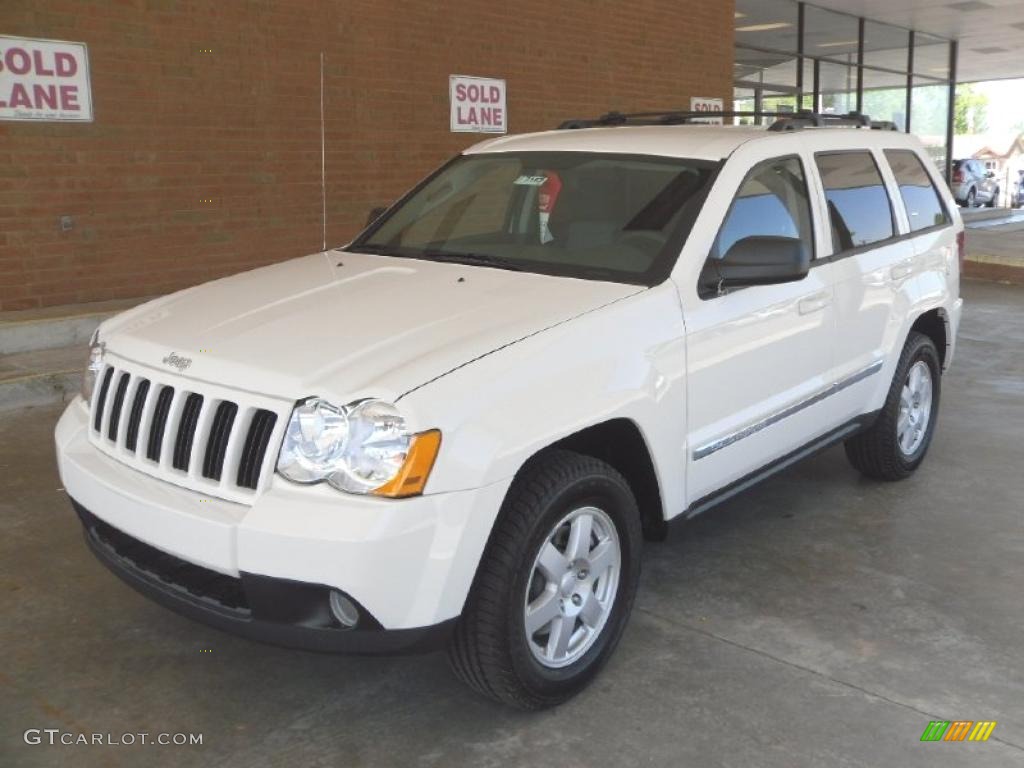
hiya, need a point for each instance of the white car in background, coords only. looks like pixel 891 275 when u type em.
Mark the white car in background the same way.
pixel 458 429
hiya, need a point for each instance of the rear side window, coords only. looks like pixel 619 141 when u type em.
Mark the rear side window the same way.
pixel 858 205
pixel 924 207
pixel 771 202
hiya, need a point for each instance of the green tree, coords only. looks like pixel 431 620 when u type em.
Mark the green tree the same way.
pixel 971 114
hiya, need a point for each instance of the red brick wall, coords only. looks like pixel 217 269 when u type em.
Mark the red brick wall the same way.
pixel 240 126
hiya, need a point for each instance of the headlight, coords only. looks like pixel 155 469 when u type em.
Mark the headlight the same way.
pixel 93 367
pixel 363 447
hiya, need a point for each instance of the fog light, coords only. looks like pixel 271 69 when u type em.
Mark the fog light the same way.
pixel 343 609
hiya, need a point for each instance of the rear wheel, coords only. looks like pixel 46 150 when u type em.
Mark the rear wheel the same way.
pixel 972 197
pixel 895 445
pixel 992 202
pixel 555 586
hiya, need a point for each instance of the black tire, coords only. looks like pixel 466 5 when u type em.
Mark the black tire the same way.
pixel 489 650
pixel 972 197
pixel 995 196
pixel 875 452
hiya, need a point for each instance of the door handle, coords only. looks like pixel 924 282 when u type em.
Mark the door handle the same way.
pixel 814 303
pixel 901 270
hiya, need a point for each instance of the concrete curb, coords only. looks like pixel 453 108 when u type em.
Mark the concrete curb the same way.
pixel 39 389
pixel 31 335
pixel 995 271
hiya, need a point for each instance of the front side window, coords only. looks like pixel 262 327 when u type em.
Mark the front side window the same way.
pixel 924 207
pixel 771 202
pixel 858 205
pixel 597 216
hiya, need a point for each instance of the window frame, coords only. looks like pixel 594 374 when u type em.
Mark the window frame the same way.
pixel 911 232
pixel 732 203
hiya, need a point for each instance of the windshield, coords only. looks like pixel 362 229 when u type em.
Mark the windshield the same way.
pixel 598 216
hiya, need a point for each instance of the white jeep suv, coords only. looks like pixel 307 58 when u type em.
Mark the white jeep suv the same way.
pixel 458 429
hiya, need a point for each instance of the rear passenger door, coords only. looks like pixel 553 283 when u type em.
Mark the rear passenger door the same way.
pixel 872 264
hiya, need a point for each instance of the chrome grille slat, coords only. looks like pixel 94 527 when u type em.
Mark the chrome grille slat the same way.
pixel 200 436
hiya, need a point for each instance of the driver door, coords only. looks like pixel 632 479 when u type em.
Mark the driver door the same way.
pixel 758 356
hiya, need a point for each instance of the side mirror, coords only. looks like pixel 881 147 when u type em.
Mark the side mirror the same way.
pixel 990 174
pixel 375 213
pixel 763 261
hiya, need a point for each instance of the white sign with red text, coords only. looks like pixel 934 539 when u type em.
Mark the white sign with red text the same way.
pixel 44 80
pixel 478 104
pixel 702 104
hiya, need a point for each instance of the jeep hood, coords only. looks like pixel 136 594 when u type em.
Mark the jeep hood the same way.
pixel 345 325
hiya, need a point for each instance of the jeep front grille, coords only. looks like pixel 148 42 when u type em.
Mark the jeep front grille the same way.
pixel 203 437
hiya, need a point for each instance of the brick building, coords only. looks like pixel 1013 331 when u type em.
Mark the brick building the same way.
pixel 204 157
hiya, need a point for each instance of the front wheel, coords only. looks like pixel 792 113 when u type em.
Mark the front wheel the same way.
pixel 895 445
pixel 555 586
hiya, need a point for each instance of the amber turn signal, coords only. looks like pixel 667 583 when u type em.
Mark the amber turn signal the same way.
pixel 412 477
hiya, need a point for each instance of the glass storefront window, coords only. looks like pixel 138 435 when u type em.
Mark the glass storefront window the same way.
pixel 838 83
pixel 770 54
pixel 885 96
pixel 929 108
pixel 807 101
pixel 886 46
pixel 759 68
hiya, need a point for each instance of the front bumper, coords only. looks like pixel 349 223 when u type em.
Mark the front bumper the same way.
pixel 278 611
pixel 406 563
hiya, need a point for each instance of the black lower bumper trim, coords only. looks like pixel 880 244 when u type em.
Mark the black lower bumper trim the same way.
pixel 280 611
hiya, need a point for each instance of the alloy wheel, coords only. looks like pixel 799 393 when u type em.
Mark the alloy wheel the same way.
pixel 915 408
pixel 572 587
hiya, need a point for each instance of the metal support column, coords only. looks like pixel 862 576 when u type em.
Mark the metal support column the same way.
pixel 860 65
pixel 910 79
pixel 951 113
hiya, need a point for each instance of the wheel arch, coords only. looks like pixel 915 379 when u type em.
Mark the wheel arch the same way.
pixel 620 443
pixel 935 325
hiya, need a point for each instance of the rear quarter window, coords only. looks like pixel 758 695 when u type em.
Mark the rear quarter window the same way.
pixel 921 198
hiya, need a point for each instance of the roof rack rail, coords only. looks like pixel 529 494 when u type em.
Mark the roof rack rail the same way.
pixel 784 121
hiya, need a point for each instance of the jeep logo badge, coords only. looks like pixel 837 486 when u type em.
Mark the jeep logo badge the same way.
pixel 176 361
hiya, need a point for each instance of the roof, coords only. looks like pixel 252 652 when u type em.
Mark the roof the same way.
pixel 700 142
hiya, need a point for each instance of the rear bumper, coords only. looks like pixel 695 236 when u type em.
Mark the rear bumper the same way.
pixel 278 611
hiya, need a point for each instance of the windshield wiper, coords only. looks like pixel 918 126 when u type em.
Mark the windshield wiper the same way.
pixel 468 257
pixel 382 250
